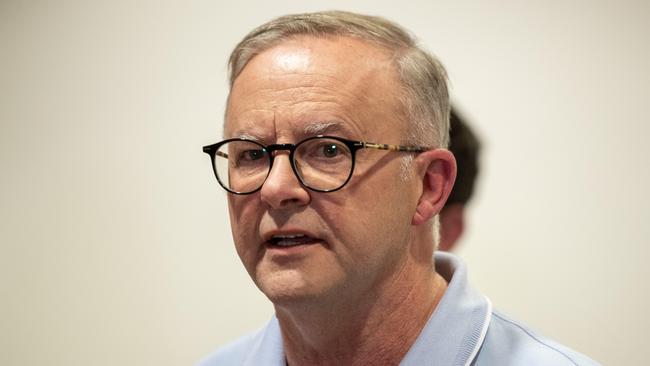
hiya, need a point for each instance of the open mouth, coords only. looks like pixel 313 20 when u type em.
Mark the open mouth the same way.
pixel 286 241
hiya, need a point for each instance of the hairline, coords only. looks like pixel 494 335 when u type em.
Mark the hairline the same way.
pixel 394 50
pixel 425 125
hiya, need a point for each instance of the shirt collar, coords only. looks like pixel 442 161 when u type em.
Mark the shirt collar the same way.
pixel 452 335
pixel 267 349
pixel 456 329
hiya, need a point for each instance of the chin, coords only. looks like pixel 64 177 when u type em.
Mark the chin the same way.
pixel 286 287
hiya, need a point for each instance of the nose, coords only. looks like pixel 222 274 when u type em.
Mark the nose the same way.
pixel 282 188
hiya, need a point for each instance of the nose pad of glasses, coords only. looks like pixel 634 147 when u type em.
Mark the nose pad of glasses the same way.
pixel 282 187
pixel 287 170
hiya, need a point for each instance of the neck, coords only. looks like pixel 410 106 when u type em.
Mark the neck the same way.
pixel 375 328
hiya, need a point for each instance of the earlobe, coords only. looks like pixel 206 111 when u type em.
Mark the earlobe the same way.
pixel 437 174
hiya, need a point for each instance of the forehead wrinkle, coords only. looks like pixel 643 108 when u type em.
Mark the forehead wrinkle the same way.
pixel 320 84
pixel 252 130
pixel 301 107
pixel 350 94
pixel 346 94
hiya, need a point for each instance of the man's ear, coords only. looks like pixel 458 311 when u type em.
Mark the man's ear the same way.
pixel 437 170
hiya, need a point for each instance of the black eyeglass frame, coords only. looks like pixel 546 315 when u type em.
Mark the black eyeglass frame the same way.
pixel 213 150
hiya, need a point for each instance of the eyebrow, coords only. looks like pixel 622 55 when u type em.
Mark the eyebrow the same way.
pixel 310 129
pixel 322 127
pixel 248 137
pixel 244 135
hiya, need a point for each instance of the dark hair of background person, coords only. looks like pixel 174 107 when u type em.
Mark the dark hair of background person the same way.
pixel 465 146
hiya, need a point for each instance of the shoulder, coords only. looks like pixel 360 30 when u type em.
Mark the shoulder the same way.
pixel 263 347
pixel 233 353
pixel 510 343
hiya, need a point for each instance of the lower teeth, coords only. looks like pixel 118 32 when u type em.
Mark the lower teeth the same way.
pixel 286 243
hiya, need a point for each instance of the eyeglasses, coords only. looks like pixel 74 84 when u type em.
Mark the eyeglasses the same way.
pixel 321 163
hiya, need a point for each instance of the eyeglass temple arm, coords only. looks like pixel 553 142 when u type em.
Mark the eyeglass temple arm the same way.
pixel 210 149
pixel 372 145
pixel 369 145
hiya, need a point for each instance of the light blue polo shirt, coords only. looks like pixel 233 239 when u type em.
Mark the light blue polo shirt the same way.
pixel 463 330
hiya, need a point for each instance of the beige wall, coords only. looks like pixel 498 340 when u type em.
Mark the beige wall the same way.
pixel 114 242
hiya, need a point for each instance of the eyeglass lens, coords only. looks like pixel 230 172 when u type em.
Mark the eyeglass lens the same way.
pixel 320 163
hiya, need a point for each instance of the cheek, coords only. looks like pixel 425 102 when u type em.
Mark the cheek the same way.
pixel 368 219
pixel 386 212
pixel 244 223
pixel 240 209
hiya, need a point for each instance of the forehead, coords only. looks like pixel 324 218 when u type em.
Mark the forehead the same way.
pixel 341 82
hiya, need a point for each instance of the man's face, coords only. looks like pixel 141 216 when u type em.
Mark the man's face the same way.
pixel 301 245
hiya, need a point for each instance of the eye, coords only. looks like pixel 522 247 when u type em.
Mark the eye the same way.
pixel 323 150
pixel 330 150
pixel 252 155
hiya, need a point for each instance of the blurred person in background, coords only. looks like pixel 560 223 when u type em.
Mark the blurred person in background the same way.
pixel 466 147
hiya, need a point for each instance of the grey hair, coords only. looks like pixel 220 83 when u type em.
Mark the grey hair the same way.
pixel 424 94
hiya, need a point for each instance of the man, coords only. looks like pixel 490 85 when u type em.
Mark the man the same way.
pixel 465 146
pixel 335 165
